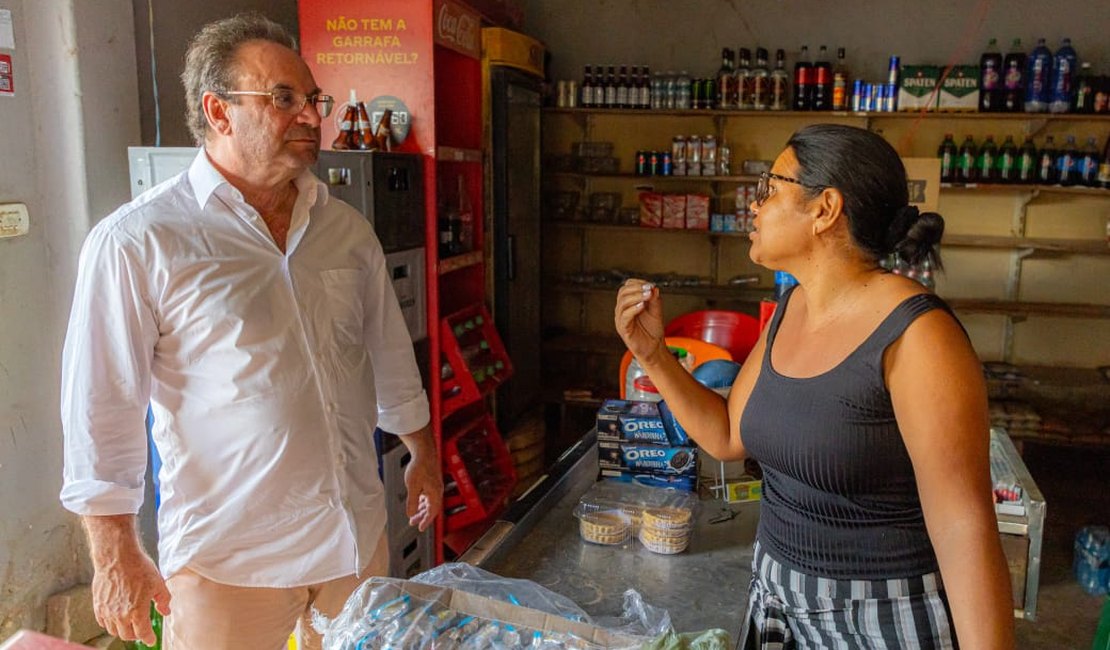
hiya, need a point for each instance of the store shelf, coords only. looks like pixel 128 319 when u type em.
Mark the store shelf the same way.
pixel 611 227
pixel 1021 308
pixel 1047 189
pixel 740 293
pixel 649 180
pixel 450 264
pixel 585 343
pixel 901 115
pixel 456 154
pixel 1081 246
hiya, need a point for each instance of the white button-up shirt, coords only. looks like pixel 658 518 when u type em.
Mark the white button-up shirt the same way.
pixel 266 372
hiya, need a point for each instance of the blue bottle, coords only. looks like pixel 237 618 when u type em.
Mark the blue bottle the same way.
pixel 1038 89
pixel 1065 66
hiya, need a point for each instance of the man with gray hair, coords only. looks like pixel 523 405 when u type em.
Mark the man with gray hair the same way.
pixel 255 316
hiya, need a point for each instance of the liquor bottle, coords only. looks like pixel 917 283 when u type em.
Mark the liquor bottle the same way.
pixel 587 88
pixel 988 154
pixel 1088 164
pixel 1064 66
pixel 1047 172
pixel 622 88
pixel 365 129
pixel 990 78
pixel 780 83
pixel 1006 165
pixel 822 81
pixel 965 162
pixel 599 88
pixel 466 218
pixel 1067 163
pixel 840 83
pixel 947 154
pixel 1084 90
pixel 744 89
pixel 348 138
pixel 1104 167
pixel 726 81
pixel 1013 79
pixel 761 81
pixel 1027 162
pixel 383 137
pixel 1038 79
pixel 803 81
pixel 611 88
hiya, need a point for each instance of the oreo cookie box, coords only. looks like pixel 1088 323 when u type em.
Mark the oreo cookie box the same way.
pixel 648 458
pixel 629 421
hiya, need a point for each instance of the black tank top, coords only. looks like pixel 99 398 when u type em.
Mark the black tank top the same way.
pixel 839 497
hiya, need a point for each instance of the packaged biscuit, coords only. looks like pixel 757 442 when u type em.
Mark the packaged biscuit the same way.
pixel 674 210
pixel 686 483
pixel 651 209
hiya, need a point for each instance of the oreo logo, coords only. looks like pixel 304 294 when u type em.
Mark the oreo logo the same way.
pixel 637 454
pixel 635 426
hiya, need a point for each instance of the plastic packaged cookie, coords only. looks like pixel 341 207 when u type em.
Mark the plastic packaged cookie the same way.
pixel 605 527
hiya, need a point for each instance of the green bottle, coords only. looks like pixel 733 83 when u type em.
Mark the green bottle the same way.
pixel 987 166
pixel 1102 635
pixel 156 623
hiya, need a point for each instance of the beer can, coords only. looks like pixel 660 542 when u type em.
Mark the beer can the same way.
pixel 857 94
pixel 641 163
pixel 892 71
pixel 666 162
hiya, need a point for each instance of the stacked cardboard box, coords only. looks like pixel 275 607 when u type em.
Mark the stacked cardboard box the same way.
pixel 642 442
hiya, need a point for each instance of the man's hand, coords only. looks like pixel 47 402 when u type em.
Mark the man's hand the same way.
pixel 423 479
pixel 125 580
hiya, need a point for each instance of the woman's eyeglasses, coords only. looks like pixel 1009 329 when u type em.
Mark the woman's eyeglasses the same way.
pixel 763 189
pixel 290 101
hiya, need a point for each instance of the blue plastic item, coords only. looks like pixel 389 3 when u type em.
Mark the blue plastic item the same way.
pixel 1038 90
pixel 1092 559
pixel 717 373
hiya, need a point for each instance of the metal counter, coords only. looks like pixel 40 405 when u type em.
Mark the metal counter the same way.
pixel 704 587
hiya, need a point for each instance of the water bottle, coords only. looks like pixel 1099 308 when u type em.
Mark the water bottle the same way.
pixel 1065 65
pixel 670 90
pixel 1038 79
pixel 682 91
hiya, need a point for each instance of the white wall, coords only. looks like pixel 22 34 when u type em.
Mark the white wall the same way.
pixel 65 136
pixel 689 34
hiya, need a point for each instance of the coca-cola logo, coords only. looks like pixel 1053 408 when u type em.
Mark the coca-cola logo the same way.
pixel 458 27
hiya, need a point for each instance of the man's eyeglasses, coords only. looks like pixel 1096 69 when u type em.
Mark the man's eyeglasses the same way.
pixel 763 188
pixel 290 101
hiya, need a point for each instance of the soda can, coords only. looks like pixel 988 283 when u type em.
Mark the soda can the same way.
pixel 857 94
pixel 865 99
pixel 641 163
pixel 893 101
pixel 666 164
pixel 653 163
pixel 572 94
pixel 892 71
pixel 561 100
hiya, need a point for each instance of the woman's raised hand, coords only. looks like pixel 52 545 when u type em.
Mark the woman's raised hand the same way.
pixel 639 317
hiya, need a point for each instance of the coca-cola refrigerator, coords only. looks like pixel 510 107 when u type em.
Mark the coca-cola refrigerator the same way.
pixel 512 66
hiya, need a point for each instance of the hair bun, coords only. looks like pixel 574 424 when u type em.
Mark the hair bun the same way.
pixel 916 235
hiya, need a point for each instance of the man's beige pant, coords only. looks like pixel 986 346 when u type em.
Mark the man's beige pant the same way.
pixel 212 616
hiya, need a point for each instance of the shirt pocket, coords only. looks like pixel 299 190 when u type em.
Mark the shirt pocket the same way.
pixel 343 302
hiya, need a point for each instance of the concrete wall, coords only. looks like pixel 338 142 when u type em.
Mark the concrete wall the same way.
pixel 174 23
pixel 690 34
pixel 65 136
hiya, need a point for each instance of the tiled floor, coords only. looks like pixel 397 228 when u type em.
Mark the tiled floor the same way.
pixel 1076 487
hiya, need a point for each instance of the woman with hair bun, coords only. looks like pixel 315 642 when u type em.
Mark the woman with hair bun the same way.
pixel 866 407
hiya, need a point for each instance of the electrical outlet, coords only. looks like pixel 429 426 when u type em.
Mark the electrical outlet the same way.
pixel 13 220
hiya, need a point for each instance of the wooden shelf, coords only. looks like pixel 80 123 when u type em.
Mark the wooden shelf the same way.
pixel 1081 246
pixel 999 187
pixel 817 115
pixel 595 343
pixel 456 262
pixel 1021 308
pixel 612 227
pixel 743 293
pixel 648 180
pixel 456 154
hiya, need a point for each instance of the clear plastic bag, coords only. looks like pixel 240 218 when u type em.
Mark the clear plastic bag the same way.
pixel 458 606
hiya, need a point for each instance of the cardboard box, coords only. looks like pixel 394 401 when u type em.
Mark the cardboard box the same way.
pixel 959 92
pixel 646 458
pixel 674 210
pixel 685 483
pixel 744 490
pixel 697 212
pixel 620 420
pixel 923 178
pixel 651 209
pixel 917 88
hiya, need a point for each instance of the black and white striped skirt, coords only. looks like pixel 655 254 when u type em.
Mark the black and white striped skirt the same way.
pixel 788 609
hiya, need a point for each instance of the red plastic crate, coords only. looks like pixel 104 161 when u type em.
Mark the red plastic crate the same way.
pixel 479 462
pixel 477 359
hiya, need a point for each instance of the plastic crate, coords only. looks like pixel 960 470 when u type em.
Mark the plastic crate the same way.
pixel 481 467
pixel 475 360
pixel 410 551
